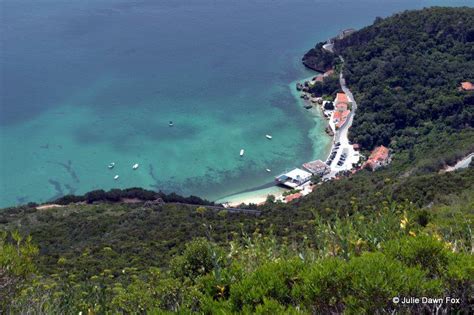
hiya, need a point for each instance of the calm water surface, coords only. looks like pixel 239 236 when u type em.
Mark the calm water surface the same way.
pixel 86 83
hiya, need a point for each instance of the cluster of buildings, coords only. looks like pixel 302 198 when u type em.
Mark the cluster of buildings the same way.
pixel 299 178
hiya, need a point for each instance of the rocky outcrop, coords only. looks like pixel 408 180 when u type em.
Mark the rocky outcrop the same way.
pixel 319 59
pixel 329 131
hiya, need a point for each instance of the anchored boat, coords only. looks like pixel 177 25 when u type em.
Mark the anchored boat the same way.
pixel 242 151
pixel 116 177
pixel 269 137
pixel 111 165
pixel 135 166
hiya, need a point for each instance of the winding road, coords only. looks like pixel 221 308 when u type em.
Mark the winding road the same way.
pixel 342 135
pixel 463 163
pixel 343 131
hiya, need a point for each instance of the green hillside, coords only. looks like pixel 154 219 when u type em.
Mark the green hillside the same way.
pixel 351 246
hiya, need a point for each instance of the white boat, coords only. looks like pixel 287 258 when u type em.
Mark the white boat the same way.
pixel 116 177
pixel 268 170
pixel 269 137
pixel 135 166
pixel 111 165
pixel 242 151
pixel 171 123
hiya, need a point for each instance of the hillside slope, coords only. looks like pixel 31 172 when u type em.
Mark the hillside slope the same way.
pixel 350 246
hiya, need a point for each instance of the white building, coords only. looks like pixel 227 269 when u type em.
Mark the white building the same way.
pixel 294 178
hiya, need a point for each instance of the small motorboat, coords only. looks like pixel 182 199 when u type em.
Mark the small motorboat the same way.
pixel 268 170
pixel 242 151
pixel 170 123
pixel 135 166
pixel 269 137
pixel 116 177
pixel 111 165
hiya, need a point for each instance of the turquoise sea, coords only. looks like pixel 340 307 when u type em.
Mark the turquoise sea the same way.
pixel 86 83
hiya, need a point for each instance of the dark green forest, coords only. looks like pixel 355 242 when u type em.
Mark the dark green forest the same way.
pixel 318 59
pixel 405 73
pixel 350 246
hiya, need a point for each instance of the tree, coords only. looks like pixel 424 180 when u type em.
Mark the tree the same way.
pixel 329 106
pixel 199 258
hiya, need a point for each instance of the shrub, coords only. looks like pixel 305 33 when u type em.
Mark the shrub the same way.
pixel 324 286
pixel 376 279
pixel 422 251
pixel 16 264
pixel 270 306
pixel 423 218
pixel 273 280
pixel 459 279
pixel 199 258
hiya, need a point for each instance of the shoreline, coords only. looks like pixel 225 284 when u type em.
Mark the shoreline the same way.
pixel 259 196
pixel 341 155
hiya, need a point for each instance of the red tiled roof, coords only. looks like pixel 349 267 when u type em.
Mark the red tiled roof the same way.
pixel 379 153
pixel 340 117
pixel 341 106
pixel 341 98
pixel 468 86
pixel 293 197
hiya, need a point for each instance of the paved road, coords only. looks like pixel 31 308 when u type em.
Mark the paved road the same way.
pixel 464 163
pixel 329 47
pixel 342 135
pixel 343 131
pixel 230 209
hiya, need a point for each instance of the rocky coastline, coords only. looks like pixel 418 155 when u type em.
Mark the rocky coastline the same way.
pixel 318 59
pixel 322 57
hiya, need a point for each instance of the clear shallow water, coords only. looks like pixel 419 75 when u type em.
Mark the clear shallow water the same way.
pixel 85 83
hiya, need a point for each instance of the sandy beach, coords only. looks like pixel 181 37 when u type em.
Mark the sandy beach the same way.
pixel 255 197
pixel 260 196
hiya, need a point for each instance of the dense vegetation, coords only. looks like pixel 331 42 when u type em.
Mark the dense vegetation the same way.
pixel 319 59
pixel 405 72
pixel 115 195
pixel 328 87
pixel 327 266
pixel 350 246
